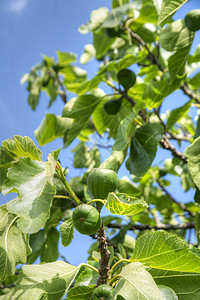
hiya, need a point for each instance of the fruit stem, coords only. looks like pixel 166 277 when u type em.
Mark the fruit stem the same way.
pixel 113 279
pixel 62 197
pixel 67 186
pixel 97 200
pixel 89 266
pixel 117 263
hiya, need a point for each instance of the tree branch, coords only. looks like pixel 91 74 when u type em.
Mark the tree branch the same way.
pixel 142 227
pixel 181 205
pixel 165 144
pixel 155 60
pixel 104 264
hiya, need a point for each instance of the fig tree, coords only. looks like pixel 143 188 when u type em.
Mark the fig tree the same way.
pixel 100 182
pixel 86 219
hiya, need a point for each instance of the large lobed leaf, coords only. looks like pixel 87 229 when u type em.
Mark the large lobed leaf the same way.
pixel 144 147
pixel 45 281
pixel 51 128
pixel 33 181
pixel 166 251
pixel 136 283
pixel 176 36
pixel 14 247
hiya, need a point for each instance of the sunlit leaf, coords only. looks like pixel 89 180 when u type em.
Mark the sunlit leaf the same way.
pixel 166 251
pixel 23 147
pixel 168 8
pixel 136 283
pixel 123 204
pixel 33 180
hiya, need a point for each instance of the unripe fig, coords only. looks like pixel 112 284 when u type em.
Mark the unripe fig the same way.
pixel 126 78
pixel 192 20
pixel 103 292
pixel 113 106
pixel 101 182
pixel 86 219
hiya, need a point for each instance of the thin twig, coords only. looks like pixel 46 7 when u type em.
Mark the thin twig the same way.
pixel 181 205
pixel 63 257
pixel 165 144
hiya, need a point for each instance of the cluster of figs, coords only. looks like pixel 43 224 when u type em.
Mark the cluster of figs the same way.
pixel 100 183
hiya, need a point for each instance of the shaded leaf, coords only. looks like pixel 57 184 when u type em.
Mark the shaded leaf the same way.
pixel 123 204
pixel 176 36
pixel 80 107
pixel 7 158
pixel 51 128
pixel 14 244
pixel 50 281
pixel 101 43
pixel 67 231
pixel 49 251
pixel 80 292
pixel 128 187
pixel 144 147
pixel 124 62
pixel 125 132
pixel 36 242
pixel 185 285
pixel 193 159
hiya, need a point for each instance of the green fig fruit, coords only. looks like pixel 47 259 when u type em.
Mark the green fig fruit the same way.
pixel 113 106
pixel 101 182
pixel 192 20
pixel 86 219
pixel 126 78
pixel 103 291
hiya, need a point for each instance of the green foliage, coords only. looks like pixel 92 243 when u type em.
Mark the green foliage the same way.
pixel 116 120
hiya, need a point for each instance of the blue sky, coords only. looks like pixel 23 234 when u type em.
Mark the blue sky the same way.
pixel 29 28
